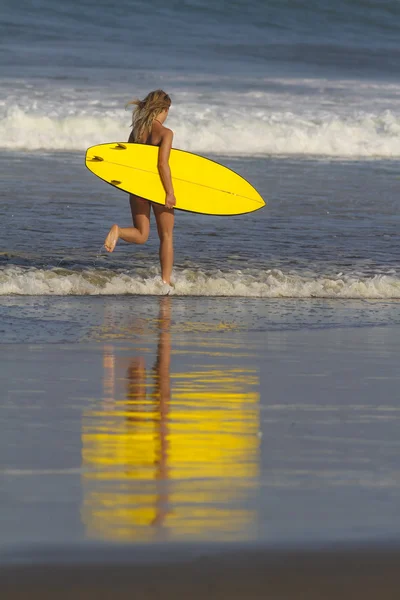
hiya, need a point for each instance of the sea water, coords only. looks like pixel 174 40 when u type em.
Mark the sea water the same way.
pixel 302 101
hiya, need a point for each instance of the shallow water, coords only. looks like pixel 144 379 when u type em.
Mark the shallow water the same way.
pixel 331 229
pixel 180 420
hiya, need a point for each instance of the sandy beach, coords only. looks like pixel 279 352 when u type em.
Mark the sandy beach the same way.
pixel 243 458
pixel 216 572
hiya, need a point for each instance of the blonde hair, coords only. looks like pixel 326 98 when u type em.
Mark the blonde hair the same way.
pixel 146 111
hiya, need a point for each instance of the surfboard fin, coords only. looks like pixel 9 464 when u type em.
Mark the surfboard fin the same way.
pixel 115 182
pixel 96 159
pixel 120 146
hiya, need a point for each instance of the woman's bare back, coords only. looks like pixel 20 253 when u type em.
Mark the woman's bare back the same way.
pixel 153 138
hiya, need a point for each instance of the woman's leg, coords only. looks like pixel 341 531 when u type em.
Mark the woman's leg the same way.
pixel 165 228
pixel 139 233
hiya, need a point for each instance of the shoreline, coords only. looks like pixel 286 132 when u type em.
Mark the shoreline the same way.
pixel 351 572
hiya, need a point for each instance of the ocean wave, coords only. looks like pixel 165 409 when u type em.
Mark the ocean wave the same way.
pixel 228 131
pixel 272 283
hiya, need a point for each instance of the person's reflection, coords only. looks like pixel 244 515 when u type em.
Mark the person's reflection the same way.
pixel 159 401
pixel 108 376
pixel 162 391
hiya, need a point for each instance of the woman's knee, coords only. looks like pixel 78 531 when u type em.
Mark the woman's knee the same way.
pixel 166 236
pixel 143 237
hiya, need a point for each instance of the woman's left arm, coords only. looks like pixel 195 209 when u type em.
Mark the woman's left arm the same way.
pixel 163 167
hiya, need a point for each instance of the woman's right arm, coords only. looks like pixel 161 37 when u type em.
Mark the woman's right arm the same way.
pixel 163 167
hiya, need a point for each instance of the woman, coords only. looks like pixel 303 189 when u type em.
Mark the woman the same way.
pixel 148 128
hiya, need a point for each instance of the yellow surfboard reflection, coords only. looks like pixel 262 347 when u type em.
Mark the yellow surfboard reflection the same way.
pixel 171 455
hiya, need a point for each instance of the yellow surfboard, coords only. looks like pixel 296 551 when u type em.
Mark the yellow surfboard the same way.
pixel 200 184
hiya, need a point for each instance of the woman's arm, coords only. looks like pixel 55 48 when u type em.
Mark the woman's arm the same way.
pixel 163 166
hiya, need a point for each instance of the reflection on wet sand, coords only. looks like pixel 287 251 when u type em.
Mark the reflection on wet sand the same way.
pixel 177 456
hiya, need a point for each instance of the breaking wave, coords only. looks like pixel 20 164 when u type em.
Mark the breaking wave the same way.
pixel 260 132
pixel 264 284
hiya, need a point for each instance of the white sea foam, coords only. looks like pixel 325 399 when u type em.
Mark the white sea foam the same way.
pixel 325 119
pixel 265 284
pixel 230 133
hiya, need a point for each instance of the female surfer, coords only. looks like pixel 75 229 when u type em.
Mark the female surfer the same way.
pixel 148 128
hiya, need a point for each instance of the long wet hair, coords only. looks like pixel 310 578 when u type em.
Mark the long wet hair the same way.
pixel 146 111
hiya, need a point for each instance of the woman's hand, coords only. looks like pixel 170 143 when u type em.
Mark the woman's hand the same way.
pixel 170 200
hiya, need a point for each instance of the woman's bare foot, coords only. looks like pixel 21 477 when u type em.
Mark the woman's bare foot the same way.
pixel 112 238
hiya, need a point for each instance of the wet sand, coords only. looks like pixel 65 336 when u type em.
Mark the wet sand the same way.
pixel 184 430
pixel 347 572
